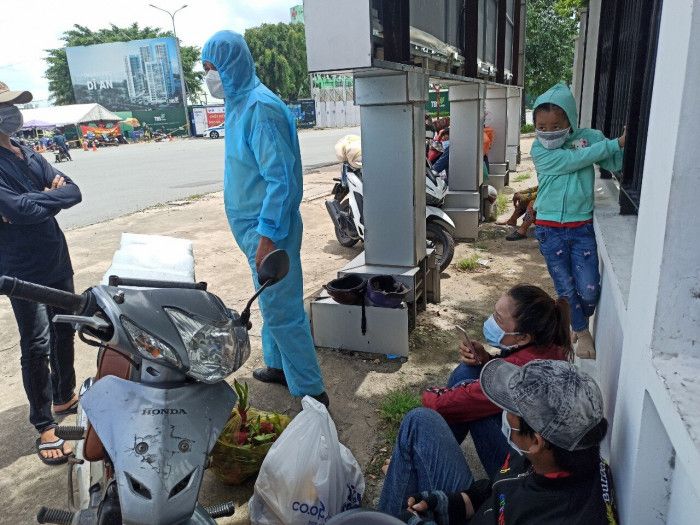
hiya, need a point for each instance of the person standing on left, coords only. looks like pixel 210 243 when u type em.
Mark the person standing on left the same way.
pixel 33 248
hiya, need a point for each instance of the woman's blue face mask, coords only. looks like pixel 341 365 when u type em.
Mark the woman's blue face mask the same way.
pixel 494 334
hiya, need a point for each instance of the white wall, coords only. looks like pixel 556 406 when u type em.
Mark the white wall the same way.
pixel 647 326
pixel 337 114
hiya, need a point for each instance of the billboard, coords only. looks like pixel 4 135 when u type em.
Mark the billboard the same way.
pixel 304 112
pixel 141 76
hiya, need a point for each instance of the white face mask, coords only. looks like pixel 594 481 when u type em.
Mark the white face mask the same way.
pixel 11 119
pixel 507 430
pixel 214 84
pixel 553 139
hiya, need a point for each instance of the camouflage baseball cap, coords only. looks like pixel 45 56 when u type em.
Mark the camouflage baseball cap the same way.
pixel 555 398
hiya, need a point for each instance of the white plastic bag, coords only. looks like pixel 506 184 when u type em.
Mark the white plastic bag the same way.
pixel 308 476
pixel 349 149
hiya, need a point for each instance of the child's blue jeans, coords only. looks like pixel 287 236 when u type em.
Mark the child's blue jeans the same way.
pixel 572 260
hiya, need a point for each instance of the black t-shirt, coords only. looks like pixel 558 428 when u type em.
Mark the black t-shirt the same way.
pixel 519 496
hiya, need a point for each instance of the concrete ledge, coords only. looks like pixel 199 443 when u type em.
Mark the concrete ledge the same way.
pixel 615 235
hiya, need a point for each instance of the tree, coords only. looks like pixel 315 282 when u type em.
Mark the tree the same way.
pixel 549 43
pixel 279 51
pixel 58 75
pixel 569 7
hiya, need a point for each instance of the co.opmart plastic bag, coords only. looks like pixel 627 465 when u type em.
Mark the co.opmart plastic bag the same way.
pixel 308 476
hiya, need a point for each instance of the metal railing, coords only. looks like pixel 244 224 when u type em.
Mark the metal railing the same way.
pixel 629 31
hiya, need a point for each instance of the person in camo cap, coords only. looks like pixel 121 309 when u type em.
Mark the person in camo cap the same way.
pixel 553 420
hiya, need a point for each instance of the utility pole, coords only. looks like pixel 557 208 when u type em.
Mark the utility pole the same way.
pixel 179 60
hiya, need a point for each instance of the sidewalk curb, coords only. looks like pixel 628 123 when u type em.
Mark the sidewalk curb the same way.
pixel 309 169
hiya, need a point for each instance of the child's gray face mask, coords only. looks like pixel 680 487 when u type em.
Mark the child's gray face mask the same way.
pixel 553 139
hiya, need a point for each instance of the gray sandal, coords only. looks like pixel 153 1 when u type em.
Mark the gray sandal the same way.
pixel 51 445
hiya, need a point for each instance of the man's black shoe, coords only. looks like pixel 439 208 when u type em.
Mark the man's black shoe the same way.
pixel 270 375
pixel 323 398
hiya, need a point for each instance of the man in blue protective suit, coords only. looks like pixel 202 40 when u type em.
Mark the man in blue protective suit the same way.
pixel 262 192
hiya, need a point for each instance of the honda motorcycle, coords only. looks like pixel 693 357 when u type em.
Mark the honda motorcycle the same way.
pixel 150 417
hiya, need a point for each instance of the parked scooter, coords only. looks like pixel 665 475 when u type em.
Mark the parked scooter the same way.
pixel 150 417
pixel 345 210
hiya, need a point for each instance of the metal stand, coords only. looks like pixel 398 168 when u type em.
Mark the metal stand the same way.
pixel 513 134
pixel 466 157
pixel 496 117
pixel 393 163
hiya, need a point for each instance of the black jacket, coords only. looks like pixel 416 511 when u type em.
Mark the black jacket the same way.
pixel 518 496
pixel 32 245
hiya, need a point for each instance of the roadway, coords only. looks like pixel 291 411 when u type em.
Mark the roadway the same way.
pixel 116 181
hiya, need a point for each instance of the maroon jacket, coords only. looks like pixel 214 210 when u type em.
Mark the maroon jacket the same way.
pixel 467 402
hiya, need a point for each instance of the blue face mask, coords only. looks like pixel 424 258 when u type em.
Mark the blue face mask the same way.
pixel 494 334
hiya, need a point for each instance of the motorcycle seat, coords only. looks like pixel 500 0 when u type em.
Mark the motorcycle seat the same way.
pixel 110 363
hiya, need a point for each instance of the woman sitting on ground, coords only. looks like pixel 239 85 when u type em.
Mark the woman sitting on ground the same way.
pixel 527 324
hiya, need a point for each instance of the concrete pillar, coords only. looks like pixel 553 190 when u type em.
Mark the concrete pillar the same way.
pixel 466 136
pixel 589 66
pixel 393 166
pixel 579 58
pixel 514 104
pixel 654 447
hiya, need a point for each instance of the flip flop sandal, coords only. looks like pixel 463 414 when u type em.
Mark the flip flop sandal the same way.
pixel 515 236
pixel 51 445
pixel 72 409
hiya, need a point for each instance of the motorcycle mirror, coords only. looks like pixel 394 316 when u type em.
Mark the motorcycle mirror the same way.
pixel 274 267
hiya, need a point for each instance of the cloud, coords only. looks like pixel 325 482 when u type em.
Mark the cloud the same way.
pixel 23 66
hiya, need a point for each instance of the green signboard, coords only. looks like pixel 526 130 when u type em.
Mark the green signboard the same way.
pixel 431 106
pixel 171 120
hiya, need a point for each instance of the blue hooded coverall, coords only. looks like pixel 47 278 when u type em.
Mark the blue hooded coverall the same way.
pixel 262 193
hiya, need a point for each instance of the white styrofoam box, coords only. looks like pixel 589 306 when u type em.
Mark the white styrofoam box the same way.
pixel 140 238
pixel 154 257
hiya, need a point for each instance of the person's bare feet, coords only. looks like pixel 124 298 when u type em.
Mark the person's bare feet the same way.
pixel 509 222
pixel 385 467
pixel 66 406
pixel 48 436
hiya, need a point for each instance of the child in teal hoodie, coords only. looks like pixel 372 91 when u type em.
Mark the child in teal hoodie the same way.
pixel 564 156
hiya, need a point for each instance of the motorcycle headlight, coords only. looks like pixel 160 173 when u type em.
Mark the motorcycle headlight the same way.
pixel 215 348
pixel 150 346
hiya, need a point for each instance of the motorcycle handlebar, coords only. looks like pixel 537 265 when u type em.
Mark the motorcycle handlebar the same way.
pixel 115 280
pixel 13 287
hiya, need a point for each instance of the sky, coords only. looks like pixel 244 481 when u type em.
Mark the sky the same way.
pixel 28 28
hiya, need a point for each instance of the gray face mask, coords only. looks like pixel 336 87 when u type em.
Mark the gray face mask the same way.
pixel 214 84
pixel 553 139
pixel 11 119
